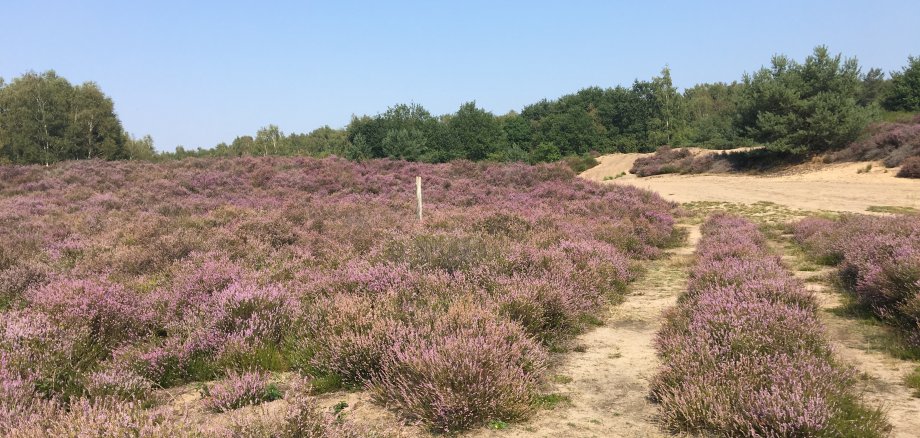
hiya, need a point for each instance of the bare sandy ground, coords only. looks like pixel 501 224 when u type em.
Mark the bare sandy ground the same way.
pixel 834 187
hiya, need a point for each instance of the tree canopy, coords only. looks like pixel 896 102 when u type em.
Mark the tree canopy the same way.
pixel 904 93
pixel 812 106
pixel 795 107
pixel 43 119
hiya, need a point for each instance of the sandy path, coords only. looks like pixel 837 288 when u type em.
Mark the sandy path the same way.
pixel 610 381
pixel 883 375
pixel 835 187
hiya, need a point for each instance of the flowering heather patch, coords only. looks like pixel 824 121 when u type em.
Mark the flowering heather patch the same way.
pixel 893 143
pixel 240 389
pixel 460 369
pixel 744 353
pixel 118 277
pixel 118 383
pixel 104 418
pixel 878 260
pixel 299 418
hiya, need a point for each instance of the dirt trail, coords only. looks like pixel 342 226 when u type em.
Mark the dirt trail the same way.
pixel 609 382
pixel 883 374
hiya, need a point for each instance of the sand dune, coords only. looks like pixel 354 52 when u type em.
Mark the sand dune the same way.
pixel 811 186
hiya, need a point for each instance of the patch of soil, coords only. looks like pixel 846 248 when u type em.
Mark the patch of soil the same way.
pixel 812 186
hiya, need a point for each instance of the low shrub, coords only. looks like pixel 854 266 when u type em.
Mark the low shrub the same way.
pixel 890 142
pixel 744 353
pixel 580 163
pixel 105 418
pixel 118 384
pixel 910 168
pixel 460 370
pixel 348 336
pixel 238 390
pixel 267 264
pixel 664 160
pixel 878 260
pixel 299 418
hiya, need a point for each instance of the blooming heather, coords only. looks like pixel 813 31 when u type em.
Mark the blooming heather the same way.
pixel 460 369
pixel 744 354
pixel 878 260
pixel 120 277
pixel 238 390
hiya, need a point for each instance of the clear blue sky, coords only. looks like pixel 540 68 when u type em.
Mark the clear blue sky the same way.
pixel 198 73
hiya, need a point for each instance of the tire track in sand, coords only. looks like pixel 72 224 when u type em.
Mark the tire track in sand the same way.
pixel 609 383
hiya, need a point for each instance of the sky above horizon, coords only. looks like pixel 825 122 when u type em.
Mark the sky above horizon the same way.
pixel 199 73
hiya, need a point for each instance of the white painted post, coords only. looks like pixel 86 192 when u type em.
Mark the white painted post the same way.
pixel 418 194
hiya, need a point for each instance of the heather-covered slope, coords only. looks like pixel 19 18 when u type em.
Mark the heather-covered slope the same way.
pixel 120 278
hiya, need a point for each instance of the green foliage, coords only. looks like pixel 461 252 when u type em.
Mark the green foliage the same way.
pixel 44 119
pixel 804 108
pixel 580 163
pixel 477 132
pixel 139 148
pixel 325 383
pixel 406 144
pixel 339 407
pixel 403 131
pixel 545 152
pixel 823 103
pixel 550 401
pixel 497 425
pixel 913 381
pixel 711 110
pixel 904 93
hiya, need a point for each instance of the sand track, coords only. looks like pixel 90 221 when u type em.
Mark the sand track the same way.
pixel 609 384
pixel 882 375
pixel 811 186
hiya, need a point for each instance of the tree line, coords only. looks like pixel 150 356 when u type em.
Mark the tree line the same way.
pixel 820 103
pixel 44 119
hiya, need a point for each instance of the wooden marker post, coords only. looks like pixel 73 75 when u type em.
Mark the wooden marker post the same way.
pixel 418 194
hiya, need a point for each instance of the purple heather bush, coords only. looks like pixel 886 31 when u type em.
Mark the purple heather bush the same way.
pixel 744 353
pixel 910 168
pixel 664 160
pixel 118 383
pixel 120 277
pixel 299 417
pixel 878 260
pixel 240 389
pixel 894 143
pixel 458 369
pixel 101 418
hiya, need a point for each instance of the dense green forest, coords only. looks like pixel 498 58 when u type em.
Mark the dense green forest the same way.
pixel 821 103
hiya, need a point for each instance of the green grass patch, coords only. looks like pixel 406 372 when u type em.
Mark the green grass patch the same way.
pixel 326 383
pixel 913 381
pixel 892 209
pixel 559 378
pixel 855 419
pixel 497 425
pixel 898 116
pixel 619 175
pixel 878 335
pixel 550 401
